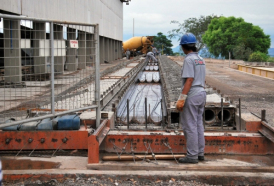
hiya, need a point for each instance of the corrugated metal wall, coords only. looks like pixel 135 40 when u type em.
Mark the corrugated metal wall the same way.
pixel 108 13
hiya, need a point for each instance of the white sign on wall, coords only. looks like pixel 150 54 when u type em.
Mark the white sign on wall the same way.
pixel 73 43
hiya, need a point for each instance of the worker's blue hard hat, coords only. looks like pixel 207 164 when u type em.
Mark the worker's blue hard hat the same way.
pixel 188 38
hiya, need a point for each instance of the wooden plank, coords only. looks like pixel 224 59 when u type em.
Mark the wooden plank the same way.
pixel 141 157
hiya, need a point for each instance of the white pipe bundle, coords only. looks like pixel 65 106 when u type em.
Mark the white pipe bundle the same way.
pixel 156 77
pixel 149 77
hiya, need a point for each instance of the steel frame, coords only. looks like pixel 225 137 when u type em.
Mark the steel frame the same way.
pixel 103 139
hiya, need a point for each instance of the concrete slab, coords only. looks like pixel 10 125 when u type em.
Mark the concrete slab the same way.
pixel 240 170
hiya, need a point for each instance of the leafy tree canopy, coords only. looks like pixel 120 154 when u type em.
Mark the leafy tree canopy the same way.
pixel 258 57
pixel 161 41
pixel 197 26
pixel 232 34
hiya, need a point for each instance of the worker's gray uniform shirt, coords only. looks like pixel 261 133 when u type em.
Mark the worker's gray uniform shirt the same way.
pixel 154 50
pixel 151 56
pixel 194 67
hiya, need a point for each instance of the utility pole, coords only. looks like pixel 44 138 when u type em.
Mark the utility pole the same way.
pixel 229 59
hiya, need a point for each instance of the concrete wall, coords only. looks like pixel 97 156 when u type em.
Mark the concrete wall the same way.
pixel 107 13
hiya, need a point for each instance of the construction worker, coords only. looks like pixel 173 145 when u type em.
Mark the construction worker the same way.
pixel 128 53
pixel 154 50
pixel 150 56
pixel 192 100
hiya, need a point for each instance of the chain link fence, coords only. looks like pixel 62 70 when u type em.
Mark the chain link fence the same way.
pixel 47 68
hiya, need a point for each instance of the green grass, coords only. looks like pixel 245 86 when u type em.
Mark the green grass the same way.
pixel 271 59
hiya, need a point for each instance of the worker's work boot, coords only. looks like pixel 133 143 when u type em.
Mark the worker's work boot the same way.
pixel 201 158
pixel 187 160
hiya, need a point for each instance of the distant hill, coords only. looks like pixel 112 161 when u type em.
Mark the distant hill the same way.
pixel 176 49
pixel 270 51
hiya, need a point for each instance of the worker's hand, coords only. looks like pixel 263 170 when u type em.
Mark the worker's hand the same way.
pixel 181 102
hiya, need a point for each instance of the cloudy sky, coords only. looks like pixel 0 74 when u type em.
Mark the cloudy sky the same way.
pixel 153 16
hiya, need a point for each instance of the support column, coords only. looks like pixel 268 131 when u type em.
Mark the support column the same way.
pixel 12 51
pixel 59 49
pixel 90 50
pixel 120 49
pixel 116 49
pixel 82 50
pixel 106 48
pixel 41 52
pixel 102 54
pixel 72 59
pixel 112 50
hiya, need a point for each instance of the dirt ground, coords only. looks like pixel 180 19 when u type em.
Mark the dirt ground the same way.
pixel 256 93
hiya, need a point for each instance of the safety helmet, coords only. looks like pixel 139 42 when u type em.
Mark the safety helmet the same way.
pixel 188 38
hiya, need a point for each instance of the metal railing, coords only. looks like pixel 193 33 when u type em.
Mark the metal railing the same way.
pixel 47 68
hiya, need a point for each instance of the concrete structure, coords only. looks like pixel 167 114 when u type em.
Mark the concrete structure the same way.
pixel 108 14
pixel 12 51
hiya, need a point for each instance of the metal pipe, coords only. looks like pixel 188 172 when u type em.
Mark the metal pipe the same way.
pixel 52 67
pixel 127 113
pixel 240 114
pixel 222 113
pixel 46 116
pixel 146 112
pixel 43 20
pixel 97 75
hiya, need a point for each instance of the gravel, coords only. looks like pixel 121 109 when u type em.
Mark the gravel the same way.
pixel 108 182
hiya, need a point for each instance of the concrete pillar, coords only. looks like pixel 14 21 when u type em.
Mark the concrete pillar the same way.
pixel 59 49
pixel 120 49
pixel 82 50
pixel 112 50
pixel 116 49
pixel 12 51
pixel 106 49
pixel 102 49
pixel 72 60
pixel 41 49
pixel 90 50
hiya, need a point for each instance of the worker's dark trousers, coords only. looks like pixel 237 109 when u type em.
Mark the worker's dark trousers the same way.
pixel 192 124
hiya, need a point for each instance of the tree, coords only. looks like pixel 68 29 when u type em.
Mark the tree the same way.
pixel 197 26
pixel 241 52
pixel 227 33
pixel 161 41
pixel 258 57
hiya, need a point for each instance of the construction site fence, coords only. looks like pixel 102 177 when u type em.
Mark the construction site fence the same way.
pixel 47 68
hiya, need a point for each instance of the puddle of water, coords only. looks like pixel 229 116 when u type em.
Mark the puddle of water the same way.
pixel 15 164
